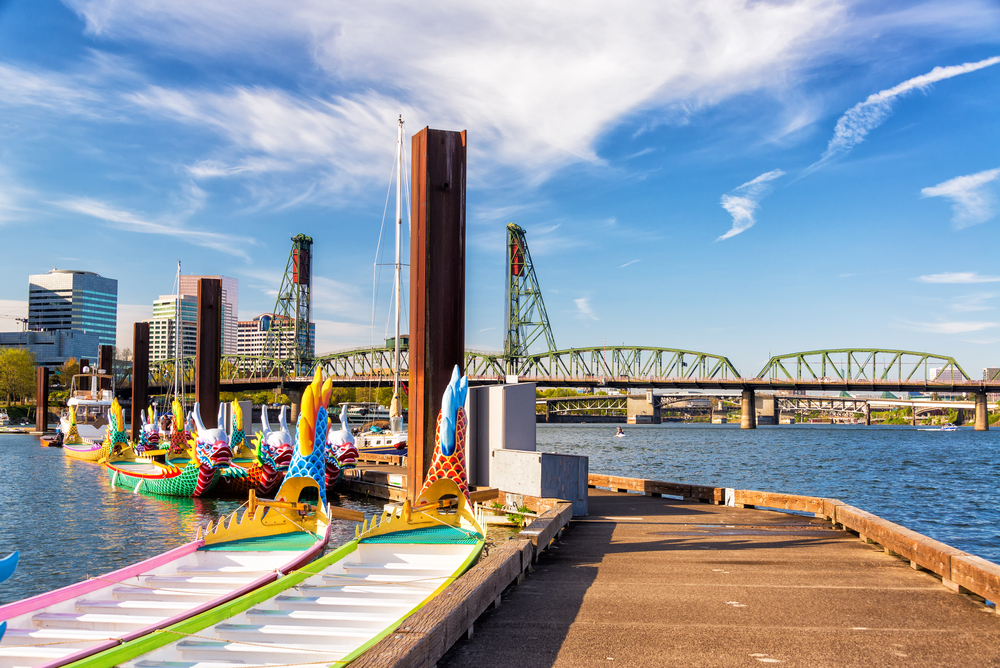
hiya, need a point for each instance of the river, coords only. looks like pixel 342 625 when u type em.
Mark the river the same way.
pixel 68 523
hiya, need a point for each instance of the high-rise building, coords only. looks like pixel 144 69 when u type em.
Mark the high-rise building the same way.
pixel 82 301
pixel 230 307
pixel 252 336
pixel 53 348
pixel 162 328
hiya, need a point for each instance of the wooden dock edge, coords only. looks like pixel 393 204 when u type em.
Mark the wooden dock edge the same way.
pixel 426 635
pixel 958 570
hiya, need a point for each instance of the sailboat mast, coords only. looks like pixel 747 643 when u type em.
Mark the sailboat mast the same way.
pixel 398 268
pixel 178 362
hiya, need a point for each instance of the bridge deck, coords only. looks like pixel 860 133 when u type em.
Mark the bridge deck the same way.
pixel 657 582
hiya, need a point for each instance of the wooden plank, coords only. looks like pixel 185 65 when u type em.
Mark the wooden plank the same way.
pixel 697 492
pixel 483 495
pixel 543 530
pixel 340 513
pixel 976 574
pixel 372 489
pixel 749 497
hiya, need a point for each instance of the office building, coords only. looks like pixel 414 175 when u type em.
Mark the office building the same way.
pixel 79 301
pixel 252 336
pixel 230 307
pixel 162 330
pixel 53 348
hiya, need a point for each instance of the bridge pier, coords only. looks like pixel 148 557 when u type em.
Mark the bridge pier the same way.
pixel 982 413
pixel 294 396
pixel 748 416
pixel 868 415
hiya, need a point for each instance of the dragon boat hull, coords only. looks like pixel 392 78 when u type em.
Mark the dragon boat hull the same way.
pixel 86 451
pixel 75 622
pixel 189 480
pixel 332 611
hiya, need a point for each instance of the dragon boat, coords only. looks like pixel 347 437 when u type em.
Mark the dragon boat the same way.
pixel 187 470
pixel 264 469
pixel 333 610
pixel 224 562
pixel 115 437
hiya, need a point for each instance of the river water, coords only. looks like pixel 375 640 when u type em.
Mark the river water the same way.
pixel 941 484
pixel 68 523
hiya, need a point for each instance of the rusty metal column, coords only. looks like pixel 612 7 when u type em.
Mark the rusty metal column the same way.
pixel 748 417
pixel 105 363
pixel 140 376
pixel 982 412
pixel 42 399
pixel 868 414
pixel 208 356
pixel 437 287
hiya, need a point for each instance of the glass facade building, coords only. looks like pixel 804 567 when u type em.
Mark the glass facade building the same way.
pixel 162 329
pixel 82 301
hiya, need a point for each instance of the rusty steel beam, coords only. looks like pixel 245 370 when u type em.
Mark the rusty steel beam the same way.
pixel 437 287
pixel 140 376
pixel 106 358
pixel 42 399
pixel 207 370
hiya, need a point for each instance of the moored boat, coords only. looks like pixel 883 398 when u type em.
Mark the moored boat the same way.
pixel 187 471
pixel 340 605
pixel 114 439
pixel 224 562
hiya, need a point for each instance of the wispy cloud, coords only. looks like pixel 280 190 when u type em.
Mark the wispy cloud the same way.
pixel 583 308
pixel 128 315
pixel 862 118
pixel 128 221
pixel 973 197
pixel 951 327
pixel 970 303
pixel 742 202
pixel 628 263
pixel 958 277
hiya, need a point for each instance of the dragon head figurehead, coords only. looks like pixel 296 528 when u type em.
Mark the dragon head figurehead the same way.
pixel 274 449
pixel 116 438
pixel 449 445
pixel 309 453
pixel 341 450
pixel 212 446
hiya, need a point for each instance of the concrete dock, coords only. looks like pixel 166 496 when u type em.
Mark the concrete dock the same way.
pixel 646 581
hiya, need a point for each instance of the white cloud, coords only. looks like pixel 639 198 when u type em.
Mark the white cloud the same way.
pixel 959 277
pixel 535 84
pixel 862 118
pixel 128 315
pixel 334 335
pixel 742 202
pixel 125 220
pixel 973 197
pixel 951 327
pixel 969 303
pixel 584 309
pixel 628 263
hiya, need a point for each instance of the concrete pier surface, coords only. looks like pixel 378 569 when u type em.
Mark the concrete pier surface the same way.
pixel 646 581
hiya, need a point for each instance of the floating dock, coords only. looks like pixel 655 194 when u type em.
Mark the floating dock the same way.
pixel 651 581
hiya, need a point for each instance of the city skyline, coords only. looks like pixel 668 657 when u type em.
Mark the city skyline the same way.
pixel 744 180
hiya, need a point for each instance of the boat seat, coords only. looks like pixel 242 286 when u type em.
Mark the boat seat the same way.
pixel 128 606
pixel 140 594
pixel 359 618
pixel 417 590
pixel 281 653
pixel 35 652
pixel 85 620
pixel 400 568
pixel 60 634
pixel 174 580
pixel 255 630
pixel 352 603
pixel 385 576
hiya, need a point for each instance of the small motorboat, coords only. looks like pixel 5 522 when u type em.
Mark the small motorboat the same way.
pixel 949 427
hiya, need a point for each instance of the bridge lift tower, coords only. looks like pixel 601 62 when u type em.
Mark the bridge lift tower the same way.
pixel 527 320
pixel 289 335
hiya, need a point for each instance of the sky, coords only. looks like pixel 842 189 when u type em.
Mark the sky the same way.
pixel 741 178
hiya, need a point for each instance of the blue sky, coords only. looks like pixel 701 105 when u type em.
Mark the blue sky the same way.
pixel 743 178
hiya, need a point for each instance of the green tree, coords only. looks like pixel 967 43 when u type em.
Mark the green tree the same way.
pixel 17 373
pixel 64 374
